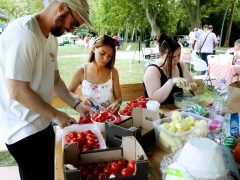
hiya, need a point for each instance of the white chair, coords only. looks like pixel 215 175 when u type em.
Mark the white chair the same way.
pixel 213 59
pixel 128 48
pixel 225 59
pixel 200 65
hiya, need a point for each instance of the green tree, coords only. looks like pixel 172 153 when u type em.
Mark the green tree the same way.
pixel 231 9
pixel 37 6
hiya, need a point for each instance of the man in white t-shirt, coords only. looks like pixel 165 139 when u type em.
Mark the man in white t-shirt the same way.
pixel 28 76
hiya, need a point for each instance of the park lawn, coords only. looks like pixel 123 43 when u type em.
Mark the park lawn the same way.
pixel 67 65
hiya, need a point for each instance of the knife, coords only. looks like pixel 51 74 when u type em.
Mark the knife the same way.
pixel 191 91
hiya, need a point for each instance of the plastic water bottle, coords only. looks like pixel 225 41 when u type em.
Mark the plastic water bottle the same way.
pixel 230 129
pixel 234 124
pixel 222 86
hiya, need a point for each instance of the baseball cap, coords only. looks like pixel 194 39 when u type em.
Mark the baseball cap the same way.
pixel 81 7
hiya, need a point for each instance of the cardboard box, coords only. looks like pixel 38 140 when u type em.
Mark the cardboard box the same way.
pixel 141 127
pixel 130 150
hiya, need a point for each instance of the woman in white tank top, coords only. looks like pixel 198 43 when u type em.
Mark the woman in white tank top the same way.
pixel 99 79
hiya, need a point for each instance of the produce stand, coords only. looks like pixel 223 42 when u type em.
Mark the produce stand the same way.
pixel 154 153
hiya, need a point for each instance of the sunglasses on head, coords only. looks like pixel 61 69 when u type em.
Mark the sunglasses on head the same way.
pixel 107 39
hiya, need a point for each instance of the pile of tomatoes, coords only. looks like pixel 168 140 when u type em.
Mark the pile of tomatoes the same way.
pixel 110 169
pixel 139 102
pixel 86 140
pixel 103 115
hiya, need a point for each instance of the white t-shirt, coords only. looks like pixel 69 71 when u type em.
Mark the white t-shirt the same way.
pixel 25 55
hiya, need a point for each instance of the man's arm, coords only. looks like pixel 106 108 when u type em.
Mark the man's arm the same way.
pixel 21 91
pixel 63 93
pixel 61 89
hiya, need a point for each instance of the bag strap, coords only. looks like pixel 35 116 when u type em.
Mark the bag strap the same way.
pixel 203 43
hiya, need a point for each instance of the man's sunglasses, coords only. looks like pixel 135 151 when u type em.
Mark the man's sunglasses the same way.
pixel 75 22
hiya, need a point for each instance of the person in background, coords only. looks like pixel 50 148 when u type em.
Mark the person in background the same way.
pixel 161 77
pixel 120 39
pixel 207 42
pixel 198 34
pixel 176 38
pixel 116 41
pixel 87 40
pixel 28 75
pixel 192 38
pixel 235 51
pixel 99 79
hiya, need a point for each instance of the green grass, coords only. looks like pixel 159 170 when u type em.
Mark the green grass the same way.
pixel 69 49
pixel 67 65
pixel 6 159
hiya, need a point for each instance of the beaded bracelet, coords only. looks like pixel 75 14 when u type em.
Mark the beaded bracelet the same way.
pixel 75 103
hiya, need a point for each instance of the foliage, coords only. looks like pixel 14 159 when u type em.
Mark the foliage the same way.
pixel 6 159
pixel 129 18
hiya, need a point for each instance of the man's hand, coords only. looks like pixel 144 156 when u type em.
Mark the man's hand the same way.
pixel 63 120
pixel 114 106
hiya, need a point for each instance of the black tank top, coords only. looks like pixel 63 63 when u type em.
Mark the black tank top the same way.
pixel 164 79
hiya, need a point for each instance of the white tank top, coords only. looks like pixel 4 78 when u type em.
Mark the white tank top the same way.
pixel 100 93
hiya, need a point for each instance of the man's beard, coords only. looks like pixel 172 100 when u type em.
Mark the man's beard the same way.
pixel 56 30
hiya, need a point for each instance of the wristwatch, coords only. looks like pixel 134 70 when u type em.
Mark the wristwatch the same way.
pixel 75 103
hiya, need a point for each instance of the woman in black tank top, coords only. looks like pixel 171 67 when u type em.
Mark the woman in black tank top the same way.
pixel 161 77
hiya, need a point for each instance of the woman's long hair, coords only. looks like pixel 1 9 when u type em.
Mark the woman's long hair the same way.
pixel 168 45
pixel 102 41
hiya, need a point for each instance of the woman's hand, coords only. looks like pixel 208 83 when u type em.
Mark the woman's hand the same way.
pixel 114 106
pixel 180 82
pixel 193 85
pixel 84 110
pixel 87 101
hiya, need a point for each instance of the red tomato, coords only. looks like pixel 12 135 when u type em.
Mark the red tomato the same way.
pixel 85 148
pixel 102 116
pixel 84 172
pixel 81 136
pixel 93 136
pixel 73 140
pixel 126 172
pixel 131 164
pixel 106 171
pixel 91 142
pixel 101 176
pixel 67 138
pixel 122 162
pixel 96 146
pixel 114 167
pixel 73 134
pixel 96 170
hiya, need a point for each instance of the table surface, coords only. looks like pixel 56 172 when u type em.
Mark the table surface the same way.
pixel 224 72
pixel 154 153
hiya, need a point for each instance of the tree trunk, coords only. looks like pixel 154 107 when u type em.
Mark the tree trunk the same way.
pixel 229 22
pixel 133 33
pixel 193 11
pixel 126 33
pixel 224 18
pixel 152 16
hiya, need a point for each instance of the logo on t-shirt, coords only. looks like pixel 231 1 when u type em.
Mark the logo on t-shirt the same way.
pixel 52 56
